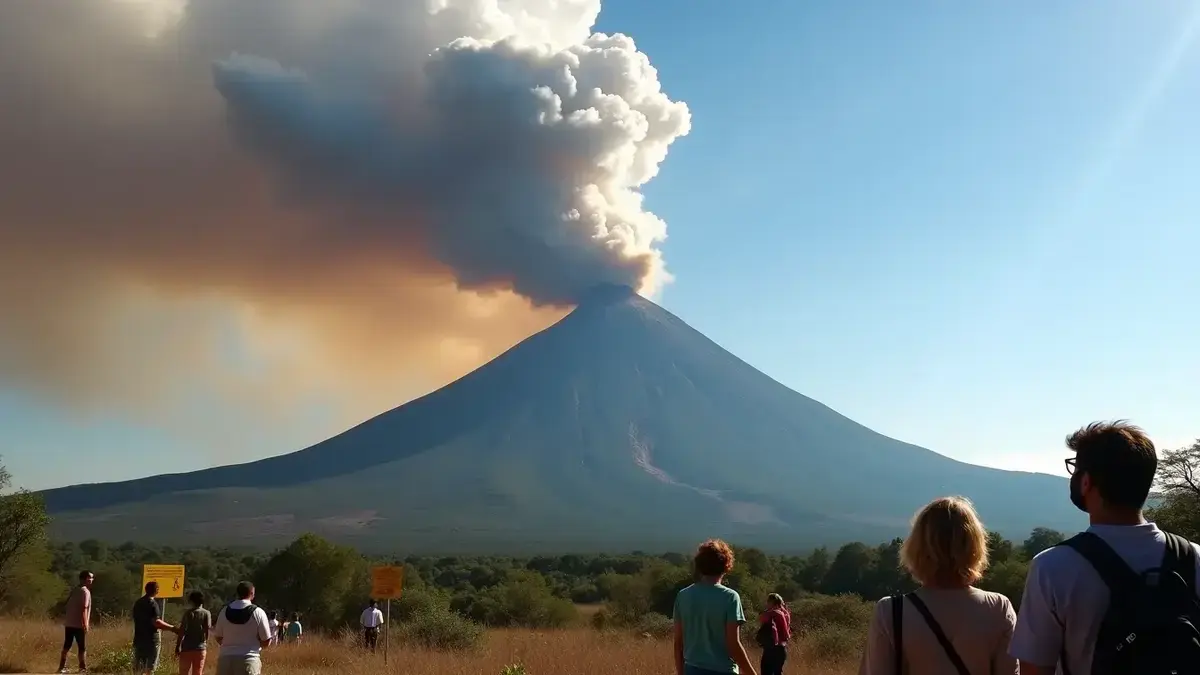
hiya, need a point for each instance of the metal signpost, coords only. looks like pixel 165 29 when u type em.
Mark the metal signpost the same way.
pixel 170 583
pixel 387 582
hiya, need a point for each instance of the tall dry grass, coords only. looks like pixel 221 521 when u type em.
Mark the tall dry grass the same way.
pixel 33 647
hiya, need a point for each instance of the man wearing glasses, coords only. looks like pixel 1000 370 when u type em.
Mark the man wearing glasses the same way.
pixel 1122 594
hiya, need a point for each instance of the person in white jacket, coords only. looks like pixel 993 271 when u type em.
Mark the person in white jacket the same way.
pixel 243 631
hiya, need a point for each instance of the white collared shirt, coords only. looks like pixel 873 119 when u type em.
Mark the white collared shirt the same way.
pixel 371 618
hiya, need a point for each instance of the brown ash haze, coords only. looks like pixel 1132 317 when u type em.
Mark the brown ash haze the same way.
pixel 361 194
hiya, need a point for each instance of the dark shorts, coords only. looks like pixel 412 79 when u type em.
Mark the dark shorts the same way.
pixel 76 636
pixel 145 657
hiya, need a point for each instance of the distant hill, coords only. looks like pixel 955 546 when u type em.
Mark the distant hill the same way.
pixel 620 427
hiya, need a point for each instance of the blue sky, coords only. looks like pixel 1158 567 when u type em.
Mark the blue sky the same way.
pixel 970 226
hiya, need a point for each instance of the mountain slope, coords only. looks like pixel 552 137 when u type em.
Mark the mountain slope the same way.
pixel 618 426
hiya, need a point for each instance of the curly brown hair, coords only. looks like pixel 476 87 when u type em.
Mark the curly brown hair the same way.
pixel 714 558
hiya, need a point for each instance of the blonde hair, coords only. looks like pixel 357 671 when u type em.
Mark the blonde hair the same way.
pixel 947 545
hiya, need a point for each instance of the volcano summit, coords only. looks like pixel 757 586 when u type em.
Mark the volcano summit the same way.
pixel 619 427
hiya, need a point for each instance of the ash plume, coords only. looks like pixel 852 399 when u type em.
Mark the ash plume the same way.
pixel 358 198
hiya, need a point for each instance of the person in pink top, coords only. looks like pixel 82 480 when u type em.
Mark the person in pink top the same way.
pixel 775 630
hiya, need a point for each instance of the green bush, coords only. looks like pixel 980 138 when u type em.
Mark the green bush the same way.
pixel 442 630
pixel 603 619
pixel 120 660
pixel 416 603
pixel 514 669
pixel 655 625
pixel 833 643
pixel 524 600
pixel 813 613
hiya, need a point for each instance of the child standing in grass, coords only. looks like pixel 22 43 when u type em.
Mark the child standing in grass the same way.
pixel 191 646
pixel 708 616
pixel 294 631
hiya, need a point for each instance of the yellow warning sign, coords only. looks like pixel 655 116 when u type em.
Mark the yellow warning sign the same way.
pixel 169 578
pixel 387 582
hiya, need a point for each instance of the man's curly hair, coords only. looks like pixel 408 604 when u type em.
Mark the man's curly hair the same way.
pixel 714 558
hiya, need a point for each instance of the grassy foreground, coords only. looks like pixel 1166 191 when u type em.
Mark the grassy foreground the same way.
pixel 33 647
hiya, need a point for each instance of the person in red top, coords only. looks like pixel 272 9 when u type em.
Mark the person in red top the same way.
pixel 775 655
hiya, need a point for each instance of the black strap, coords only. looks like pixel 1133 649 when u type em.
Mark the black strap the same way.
pixel 937 632
pixel 1180 557
pixel 1116 573
pixel 898 631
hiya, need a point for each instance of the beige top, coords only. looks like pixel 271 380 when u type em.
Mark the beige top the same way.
pixel 979 624
pixel 79 607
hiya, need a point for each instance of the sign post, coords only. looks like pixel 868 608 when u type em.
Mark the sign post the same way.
pixel 387 582
pixel 170 583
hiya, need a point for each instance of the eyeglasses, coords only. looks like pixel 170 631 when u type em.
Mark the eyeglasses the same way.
pixel 1070 463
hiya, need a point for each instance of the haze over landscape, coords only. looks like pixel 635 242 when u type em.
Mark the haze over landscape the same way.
pixel 237 229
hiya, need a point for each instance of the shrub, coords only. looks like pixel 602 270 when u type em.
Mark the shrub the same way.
pixel 416 603
pixel 603 619
pixel 514 669
pixel 120 660
pixel 655 625
pixel 816 612
pixel 832 643
pixel 523 600
pixel 442 630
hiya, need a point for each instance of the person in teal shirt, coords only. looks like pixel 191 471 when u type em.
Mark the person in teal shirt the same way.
pixel 707 618
pixel 294 631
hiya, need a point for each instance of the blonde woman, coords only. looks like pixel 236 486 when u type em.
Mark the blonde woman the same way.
pixel 947 626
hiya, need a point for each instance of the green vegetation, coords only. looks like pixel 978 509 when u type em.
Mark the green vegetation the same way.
pixel 26 585
pixel 327 584
pixel 449 600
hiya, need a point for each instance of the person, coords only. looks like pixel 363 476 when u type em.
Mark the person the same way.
pixel 273 622
pixel 77 621
pixel 947 626
pixel 774 632
pixel 191 645
pixel 371 620
pixel 708 616
pixel 147 622
pixel 1076 592
pixel 242 630
pixel 294 632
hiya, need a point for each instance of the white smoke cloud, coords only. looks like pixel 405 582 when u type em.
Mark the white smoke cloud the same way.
pixel 339 166
pixel 515 162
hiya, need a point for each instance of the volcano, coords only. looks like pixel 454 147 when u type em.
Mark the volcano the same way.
pixel 620 427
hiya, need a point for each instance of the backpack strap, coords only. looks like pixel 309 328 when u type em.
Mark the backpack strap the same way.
pixel 941 636
pixel 1180 557
pixel 898 631
pixel 1113 570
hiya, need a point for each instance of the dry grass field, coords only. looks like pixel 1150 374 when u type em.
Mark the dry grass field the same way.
pixel 33 647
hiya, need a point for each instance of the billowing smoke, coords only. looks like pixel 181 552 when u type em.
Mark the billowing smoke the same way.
pixel 282 197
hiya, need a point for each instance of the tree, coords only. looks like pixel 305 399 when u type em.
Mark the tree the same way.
pixel 812 571
pixel 1041 539
pixel 1179 471
pixel 28 587
pixel 115 590
pixel 1000 550
pixel 851 568
pixel 1177 508
pixel 325 582
pixel 23 521
pixel 888 575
